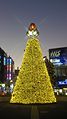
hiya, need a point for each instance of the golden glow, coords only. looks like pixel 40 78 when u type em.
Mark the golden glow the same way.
pixel 33 82
pixel 32 27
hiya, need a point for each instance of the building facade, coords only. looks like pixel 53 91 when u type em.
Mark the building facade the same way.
pixel 6 72
pixel 58 56
pixel 3 66
pixel 10 68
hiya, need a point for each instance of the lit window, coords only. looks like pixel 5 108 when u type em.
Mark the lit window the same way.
pixel 10 61
pixel 51 60
pixel 10 69
pixel 4 60
pixel 9 77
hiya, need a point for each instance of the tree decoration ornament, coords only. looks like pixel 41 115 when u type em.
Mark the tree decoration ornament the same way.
pixel 32 27
pixel 32 30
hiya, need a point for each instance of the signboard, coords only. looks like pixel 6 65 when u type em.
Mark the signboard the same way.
pixel 62 82
pixel 58 56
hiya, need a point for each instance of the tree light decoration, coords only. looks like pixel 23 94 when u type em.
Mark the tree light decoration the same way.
pixel 33 82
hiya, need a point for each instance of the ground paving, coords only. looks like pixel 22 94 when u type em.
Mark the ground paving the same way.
pixel 33 111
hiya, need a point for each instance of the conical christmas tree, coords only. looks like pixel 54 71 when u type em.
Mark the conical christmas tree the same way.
pixel 33 82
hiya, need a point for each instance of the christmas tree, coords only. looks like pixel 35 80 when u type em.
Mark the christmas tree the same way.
pixel 33 82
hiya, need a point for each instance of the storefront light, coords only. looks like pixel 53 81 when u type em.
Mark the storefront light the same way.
pixel 60 90
pixel 3 85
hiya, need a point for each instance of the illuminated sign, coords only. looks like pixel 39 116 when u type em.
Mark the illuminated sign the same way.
pixel 62 82
pixel 58 56
pixel 55 53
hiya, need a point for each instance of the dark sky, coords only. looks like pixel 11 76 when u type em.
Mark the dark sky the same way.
pixel 50 16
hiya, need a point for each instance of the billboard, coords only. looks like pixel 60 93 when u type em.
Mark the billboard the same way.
pixel 58 56
pixel 62 82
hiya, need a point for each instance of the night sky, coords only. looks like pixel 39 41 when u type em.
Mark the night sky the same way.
pixel 50 16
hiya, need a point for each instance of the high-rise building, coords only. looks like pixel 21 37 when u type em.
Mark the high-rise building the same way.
pixel 6 72
pixel 3 65
pixel 10 74
pixel 6 67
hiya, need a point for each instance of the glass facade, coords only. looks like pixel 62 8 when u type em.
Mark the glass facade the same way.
pixel 6 72
pixel 10 64
pixel 58 56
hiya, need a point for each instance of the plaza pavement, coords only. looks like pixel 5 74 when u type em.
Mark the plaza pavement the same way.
pixel 33 111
